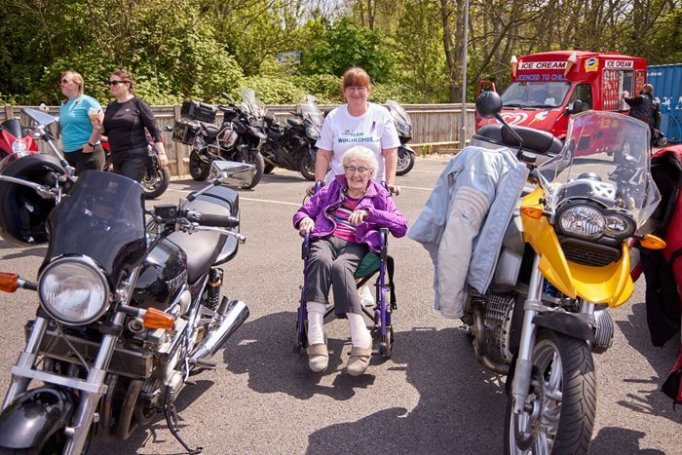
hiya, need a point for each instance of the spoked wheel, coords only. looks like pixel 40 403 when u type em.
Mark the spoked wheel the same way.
pixel 405 161
pixel 307 167
pixel 156 183
pixel 199 166
pixel 255 158
pixel 558 415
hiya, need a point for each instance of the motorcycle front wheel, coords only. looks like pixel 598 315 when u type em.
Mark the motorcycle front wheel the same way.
pixel 199 166
pixel 405 161
pixel 558 415
pixel 257 160
pixel 307 167
pixel 155 183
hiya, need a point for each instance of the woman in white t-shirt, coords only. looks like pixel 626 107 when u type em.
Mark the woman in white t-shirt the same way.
pixel 358 122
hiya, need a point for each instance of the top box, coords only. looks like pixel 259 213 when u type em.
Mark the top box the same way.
pixel 196 110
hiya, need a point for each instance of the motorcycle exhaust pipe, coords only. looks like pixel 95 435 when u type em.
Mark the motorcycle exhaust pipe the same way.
pixel 234 316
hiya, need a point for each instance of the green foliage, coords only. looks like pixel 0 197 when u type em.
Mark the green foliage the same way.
pixel 344 45
pixel 667 43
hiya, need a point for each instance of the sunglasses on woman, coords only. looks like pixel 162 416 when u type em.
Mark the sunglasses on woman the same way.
pixel 114 83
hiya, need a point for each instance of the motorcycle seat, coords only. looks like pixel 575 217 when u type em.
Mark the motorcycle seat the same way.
pixel 295 123
pixel 202 247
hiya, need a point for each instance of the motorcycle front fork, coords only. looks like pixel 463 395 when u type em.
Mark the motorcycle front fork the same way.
pixel 90 390
pixel 524 360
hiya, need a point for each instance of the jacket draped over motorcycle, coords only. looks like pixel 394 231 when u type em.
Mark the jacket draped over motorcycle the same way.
pixel 463 222
pixel 377 201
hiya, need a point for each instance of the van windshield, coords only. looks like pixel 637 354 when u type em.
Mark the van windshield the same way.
pixel 535 94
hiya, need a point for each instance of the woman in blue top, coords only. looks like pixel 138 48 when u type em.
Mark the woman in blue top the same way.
pixel 79 139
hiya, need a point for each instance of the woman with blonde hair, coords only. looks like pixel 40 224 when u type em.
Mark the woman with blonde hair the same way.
pixel 80 139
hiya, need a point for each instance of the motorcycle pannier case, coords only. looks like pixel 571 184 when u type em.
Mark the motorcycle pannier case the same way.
pixel 185 131
pixel 195 110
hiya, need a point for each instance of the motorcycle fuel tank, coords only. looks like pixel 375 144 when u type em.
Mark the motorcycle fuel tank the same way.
pixel 162 277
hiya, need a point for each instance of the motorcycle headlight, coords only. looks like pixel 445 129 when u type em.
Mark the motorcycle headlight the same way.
pixel 582 221
pixel 619 226
pixel 19 147
pixel 73 291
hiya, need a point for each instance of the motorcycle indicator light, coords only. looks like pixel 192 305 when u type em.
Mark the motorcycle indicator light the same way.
pixel 157 319
pixel 8 282
pixel 533 212
pixel 652 242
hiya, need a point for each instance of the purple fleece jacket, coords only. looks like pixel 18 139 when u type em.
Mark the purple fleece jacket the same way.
pixel 381 212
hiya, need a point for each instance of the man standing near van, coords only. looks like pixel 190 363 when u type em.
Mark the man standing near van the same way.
pixel 642 108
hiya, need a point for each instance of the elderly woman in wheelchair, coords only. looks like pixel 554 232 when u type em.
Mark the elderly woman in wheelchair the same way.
pixel 344 221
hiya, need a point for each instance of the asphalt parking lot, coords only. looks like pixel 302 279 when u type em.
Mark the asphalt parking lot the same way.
pixel 431 397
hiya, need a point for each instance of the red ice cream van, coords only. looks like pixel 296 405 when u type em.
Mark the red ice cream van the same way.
pixel 549 86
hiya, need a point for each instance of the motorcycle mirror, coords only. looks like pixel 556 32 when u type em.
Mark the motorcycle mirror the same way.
pixel 39 117
pixel 488 104
pixel 232 172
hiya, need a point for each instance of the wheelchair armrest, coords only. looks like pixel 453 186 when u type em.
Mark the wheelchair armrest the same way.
pixel 384 243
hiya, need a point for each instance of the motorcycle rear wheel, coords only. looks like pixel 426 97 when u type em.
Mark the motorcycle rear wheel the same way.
pixel 198 168
pixel 156 184
pixel 560 408
pixel 405 162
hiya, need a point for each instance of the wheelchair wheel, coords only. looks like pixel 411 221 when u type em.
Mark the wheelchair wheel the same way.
pixel 301 339
pixel 386 345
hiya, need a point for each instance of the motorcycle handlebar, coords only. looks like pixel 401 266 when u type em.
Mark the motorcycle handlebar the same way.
pixel 212 220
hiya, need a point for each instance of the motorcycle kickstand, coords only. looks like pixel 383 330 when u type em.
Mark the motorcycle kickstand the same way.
pixel 171 419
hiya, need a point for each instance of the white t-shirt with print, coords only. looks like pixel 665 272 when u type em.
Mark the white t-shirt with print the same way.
pixel 374 129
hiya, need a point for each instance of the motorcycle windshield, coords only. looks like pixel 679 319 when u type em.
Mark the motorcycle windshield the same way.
pixel 605 160
pixel 250 103
pixel 401 119
pixel 312 115
pixel 102 218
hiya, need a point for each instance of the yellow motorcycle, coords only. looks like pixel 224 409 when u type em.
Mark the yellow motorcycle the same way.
pixel 565 261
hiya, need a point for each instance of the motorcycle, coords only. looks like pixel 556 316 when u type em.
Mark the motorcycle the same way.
pixel 15 139
pixel 564 262
pixel 403 124
pixel 292 146
pixel 239 137
pixel 156 179
pixel 128 310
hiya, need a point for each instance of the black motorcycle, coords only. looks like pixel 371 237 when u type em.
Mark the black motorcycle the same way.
pixel 156 178
pixel 292 145
pixel 129 308
pixel 403 124
pixel 239 137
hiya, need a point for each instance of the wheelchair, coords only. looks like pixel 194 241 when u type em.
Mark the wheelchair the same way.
pixel 379 264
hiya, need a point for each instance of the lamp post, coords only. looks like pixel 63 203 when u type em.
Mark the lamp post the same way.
pixel 464 73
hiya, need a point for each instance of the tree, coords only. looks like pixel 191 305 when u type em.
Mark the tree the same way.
pixel 344 45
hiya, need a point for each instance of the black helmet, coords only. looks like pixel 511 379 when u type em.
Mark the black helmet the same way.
pixel 23 213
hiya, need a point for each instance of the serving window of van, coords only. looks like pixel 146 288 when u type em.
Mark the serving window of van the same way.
pixel 614 82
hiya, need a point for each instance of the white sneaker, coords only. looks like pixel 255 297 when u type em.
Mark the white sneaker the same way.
pixel 366 296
